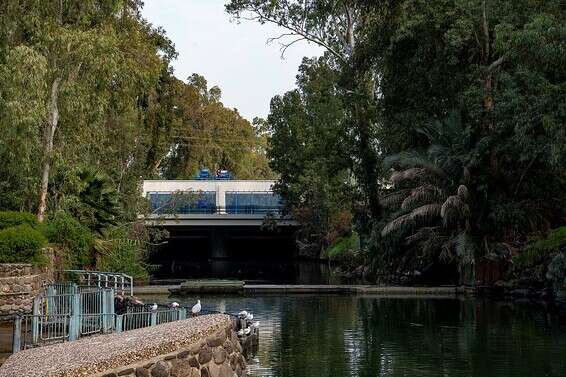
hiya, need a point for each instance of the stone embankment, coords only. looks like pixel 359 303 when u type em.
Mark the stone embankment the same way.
pixel 204 346
pixel 19 284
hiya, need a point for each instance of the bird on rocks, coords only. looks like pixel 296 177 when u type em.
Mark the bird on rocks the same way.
pixel 174 305
pixel 243 314
pixel 153 307
pixel 196 308
pixel 249 317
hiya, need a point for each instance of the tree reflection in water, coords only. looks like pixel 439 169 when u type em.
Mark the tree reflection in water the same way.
pixel 326 335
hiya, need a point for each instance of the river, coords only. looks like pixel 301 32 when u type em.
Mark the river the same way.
pixel 340 335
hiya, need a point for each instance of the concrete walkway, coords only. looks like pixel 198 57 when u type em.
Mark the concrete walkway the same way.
pixel 322 289
pixel 96 354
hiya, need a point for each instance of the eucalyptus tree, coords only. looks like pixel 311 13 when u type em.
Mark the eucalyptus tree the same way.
pixel 95 55
pixel 333 25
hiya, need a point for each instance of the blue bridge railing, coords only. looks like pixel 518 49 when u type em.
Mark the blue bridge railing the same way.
pixel 236 202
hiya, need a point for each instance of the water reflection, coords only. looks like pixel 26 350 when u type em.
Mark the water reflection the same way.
pixel 276 271
pixel 314 336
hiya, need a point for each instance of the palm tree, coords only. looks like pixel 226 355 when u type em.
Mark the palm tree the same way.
pixel 428 201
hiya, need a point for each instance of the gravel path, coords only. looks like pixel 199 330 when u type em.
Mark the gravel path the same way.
pixel 99 353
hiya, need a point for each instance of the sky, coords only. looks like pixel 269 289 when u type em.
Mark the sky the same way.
pixel 235 57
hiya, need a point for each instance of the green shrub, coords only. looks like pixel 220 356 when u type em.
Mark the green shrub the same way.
pixel 22 244
pixel 73 239
pixel 118 253
pixel 13 218
pixel 539 251
pixel 343 245
pixel 557 271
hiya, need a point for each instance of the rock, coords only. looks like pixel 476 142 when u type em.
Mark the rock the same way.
pixel 228 346
pixel 126 372
pixel 241 361
pixel 234 338
pixel 180 368
pixel 238 346
pixel 222 370
pixel 204 355
pixel 216 339
pixel 234 360
pixel 219 355
pixel 160 369
pixel 204 372
pixel 183 354
pixel 195 348
pixel 142 372
pixel 194 362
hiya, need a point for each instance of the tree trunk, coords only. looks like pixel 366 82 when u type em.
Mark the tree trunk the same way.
pixel 52 122
pixel 368 160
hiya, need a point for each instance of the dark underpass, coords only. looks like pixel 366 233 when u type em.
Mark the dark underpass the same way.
pixel 252 254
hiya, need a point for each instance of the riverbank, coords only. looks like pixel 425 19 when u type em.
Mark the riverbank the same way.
pixel 303 288
pixel 180 348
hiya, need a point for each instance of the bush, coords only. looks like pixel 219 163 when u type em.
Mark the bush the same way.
pixel 344 244
pixel 22 244
pixel 13 218
pixel 539 251
pixel 557 271
pixel 119 253
pixel 73 239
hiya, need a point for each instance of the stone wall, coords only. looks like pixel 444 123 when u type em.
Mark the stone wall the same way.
pixel 220 355
pixel 203 346
pixel 19 284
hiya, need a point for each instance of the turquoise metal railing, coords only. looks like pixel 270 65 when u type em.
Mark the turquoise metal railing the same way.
pixel 121 283
pixel 80 312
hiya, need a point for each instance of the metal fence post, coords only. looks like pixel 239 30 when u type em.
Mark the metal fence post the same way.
pixel 119 322
pixel 17 335
pixel 35 321
pixel 153 318
pixel 107 309
pixel 75 319
pixel 182 313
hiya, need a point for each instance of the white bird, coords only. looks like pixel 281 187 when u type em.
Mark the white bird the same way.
pixel 174 305
pixel 243 314
pixel 196 308
pixel 241 332
pixel 153 307
pixel 249 317
pixel 256 324
pixel 247 331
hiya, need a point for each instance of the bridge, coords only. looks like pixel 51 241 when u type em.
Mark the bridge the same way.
pixel 215 202
pixel 218 218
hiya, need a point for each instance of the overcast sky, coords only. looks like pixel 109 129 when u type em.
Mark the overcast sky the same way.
pixel 233 56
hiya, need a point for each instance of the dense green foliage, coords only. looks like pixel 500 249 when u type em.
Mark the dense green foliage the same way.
pixel 89 107
pixel 13 218
pixel 451 113
pixel 74 241
pixel 22 244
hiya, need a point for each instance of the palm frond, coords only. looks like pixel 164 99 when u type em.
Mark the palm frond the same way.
pixel 400 223
pixel 394 200
pixel 426 213
pixel 453 210
pixel 411 174
pixel 463 192
pixel 421 195
pixel 406 159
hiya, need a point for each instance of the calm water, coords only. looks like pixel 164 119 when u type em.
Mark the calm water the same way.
pixel 316 336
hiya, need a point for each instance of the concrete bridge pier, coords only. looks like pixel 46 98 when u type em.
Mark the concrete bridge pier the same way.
pixel 217 244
